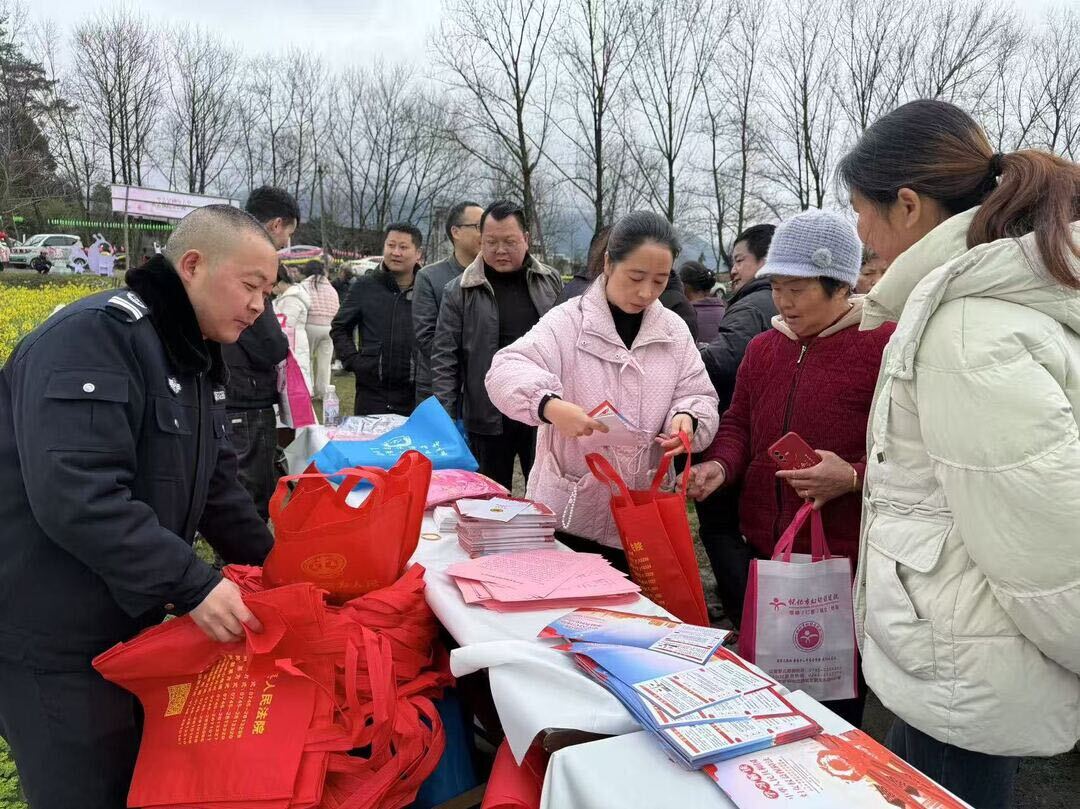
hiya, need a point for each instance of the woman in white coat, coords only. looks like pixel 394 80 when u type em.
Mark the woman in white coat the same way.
pixel 968 591
pixel 294 302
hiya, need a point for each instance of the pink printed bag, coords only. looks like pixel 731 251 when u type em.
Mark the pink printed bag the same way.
pixel 798 622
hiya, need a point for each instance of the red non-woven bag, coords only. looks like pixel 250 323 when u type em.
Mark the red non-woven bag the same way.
pixel 516 786
pixel 656 537
pixel 349 698
pixel 206 702
pixel 347 550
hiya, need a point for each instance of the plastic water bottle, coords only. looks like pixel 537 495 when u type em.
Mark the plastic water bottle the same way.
pixel 331 408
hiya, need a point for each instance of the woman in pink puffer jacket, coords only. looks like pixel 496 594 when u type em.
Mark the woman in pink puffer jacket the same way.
pixel 616 344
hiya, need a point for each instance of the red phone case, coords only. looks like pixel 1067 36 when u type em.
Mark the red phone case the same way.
pixel 791 452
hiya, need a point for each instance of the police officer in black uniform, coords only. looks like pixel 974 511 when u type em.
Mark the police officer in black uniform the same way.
pixel 113 452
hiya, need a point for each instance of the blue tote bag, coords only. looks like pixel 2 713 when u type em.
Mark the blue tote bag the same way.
pixel 429 431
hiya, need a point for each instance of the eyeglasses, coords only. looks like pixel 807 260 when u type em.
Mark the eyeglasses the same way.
pixel 477 226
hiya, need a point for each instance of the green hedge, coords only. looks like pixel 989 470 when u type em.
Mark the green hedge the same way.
pixel 33 280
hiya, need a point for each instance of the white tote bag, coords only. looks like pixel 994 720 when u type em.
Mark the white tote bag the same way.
pixel 798 621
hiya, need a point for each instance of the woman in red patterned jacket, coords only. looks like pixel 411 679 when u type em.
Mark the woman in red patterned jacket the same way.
pixel 813 374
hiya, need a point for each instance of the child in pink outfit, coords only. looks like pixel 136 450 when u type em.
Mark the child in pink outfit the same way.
pixel 616 343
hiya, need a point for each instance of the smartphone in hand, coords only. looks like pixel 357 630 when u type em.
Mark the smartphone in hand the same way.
pixel 791 452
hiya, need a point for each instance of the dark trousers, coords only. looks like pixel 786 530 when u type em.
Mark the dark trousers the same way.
pixel 496 453
pixel 253 434
pixel 851 710
pixel 729 554
pixel 73 735
pixel 984 781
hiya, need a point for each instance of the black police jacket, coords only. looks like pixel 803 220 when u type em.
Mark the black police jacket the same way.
pixel 384 364
pixel 113 452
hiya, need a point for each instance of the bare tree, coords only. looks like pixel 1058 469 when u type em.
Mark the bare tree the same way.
pixel 347 141
pixel 69 129
pixel 678 43
pixel 306 82
pixel 1054 86
pixel 877 49
pixel 267 115
pixel 596 52
pixel 499 60
pixel 118 75
pixel 957 47
pixel 732 98
pixel 803 120
pixel 202 104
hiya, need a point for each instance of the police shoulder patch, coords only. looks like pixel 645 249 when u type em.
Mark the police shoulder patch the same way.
pixel 129 306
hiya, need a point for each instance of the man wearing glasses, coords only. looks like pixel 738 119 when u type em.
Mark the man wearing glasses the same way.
pixel 500 296
pixel 463 231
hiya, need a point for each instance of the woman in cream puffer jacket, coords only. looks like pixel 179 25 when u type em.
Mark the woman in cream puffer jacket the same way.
pixel 967 595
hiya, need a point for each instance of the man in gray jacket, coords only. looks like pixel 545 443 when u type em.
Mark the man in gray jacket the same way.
pixel 500 296
pixel 463 231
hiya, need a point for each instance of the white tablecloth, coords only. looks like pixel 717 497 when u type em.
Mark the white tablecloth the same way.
pixel 625 772
pixel 533 687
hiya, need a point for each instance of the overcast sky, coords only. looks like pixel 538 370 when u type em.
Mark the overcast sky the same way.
pixel 343 31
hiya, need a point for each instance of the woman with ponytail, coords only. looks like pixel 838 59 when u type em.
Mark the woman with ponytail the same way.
pixel 968 592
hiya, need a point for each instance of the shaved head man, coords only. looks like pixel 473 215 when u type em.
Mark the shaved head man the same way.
pixel 115 450
pixel 228 265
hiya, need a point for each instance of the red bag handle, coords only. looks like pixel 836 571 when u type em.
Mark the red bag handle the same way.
pixel 819 548
pixel 665 464
pixel 605 473
pixel 353 475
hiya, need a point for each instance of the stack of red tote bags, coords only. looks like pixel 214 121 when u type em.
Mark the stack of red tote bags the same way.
pixel 328 707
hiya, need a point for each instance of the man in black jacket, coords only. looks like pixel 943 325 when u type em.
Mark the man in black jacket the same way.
pixel 113 452
pixel 463 231
pixel 379 305
pixel 253 360
pixel 749 312
pixel 499 297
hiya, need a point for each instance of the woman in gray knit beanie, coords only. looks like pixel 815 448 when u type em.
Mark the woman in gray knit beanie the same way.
pixel 813 267
pixel 813 374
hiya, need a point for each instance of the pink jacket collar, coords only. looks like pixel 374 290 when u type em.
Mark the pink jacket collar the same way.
pixel 597 320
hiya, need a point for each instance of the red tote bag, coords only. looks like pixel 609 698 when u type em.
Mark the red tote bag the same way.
pixel 656 537
pixel 345 550
pixel 516 786
pixel 410 475
pixel 206 702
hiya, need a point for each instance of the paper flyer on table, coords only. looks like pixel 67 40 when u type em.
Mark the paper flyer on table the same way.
pixel 716 739
pixel 755 705
pixel 685 641
pixel 699 688
pixel 697 744
pixel 840 767
pixel 496 509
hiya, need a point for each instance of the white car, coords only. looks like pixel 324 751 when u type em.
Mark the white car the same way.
pixel 57 246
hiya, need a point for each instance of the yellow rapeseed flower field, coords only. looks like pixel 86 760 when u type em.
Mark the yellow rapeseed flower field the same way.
pixel 23 308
